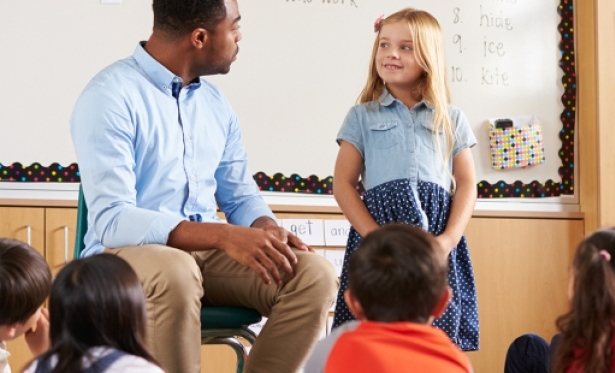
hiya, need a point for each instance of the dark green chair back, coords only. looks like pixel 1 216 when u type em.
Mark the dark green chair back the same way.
pixel 82 224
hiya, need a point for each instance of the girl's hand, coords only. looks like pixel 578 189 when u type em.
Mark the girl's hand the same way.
pixel 346 174
pixel 37 338
pixel 446 244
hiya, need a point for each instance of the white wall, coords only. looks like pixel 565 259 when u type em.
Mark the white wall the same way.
pixel 301 66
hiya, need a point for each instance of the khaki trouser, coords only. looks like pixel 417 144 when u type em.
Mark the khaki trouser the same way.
pixel 175 281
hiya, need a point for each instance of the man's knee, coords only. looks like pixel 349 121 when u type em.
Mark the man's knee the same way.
pixel 165 271
pixel 316 278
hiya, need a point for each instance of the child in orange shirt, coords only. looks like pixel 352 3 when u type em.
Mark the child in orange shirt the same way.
pixel 397 286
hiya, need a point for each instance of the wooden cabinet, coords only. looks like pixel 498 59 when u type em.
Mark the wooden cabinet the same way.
pixel 521 263
pixel 51 231
pixel 26 224
pixel 521 268
pixel 60 225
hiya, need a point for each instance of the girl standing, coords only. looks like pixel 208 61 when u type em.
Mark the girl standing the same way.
pixel 411 150
pixel 97 320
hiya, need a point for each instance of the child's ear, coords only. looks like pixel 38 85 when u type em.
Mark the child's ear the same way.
pixel 8 332
pixel 442 303
pixel 354 305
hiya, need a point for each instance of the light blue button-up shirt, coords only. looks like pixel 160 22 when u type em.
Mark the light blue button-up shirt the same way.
pixel 151 154
pixel 398 143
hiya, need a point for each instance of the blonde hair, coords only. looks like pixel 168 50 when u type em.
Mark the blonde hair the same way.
pixel 432 85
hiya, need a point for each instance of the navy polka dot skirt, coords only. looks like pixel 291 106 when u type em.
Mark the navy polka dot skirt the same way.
pixel 394 201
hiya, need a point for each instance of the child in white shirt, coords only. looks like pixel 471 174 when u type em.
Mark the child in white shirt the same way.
pixel 25 282
pixel 97 320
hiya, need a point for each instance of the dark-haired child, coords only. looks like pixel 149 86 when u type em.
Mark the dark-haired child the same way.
pixel 587 339
pixel 397 286
pixel 25 281
pixel 97 320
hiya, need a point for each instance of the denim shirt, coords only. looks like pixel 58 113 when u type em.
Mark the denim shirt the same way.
pixel 398 143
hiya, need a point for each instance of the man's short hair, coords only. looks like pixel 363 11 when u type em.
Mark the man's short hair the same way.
pixel 25 281
pixel 397 274
pixel 180 17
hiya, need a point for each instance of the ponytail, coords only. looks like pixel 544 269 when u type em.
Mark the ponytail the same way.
pixel 588 328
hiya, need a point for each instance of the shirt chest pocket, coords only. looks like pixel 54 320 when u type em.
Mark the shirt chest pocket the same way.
pixel 384 135
pixel 428 136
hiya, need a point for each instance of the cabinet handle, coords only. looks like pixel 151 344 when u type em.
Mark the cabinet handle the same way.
pixel 65 244
pixel 29 235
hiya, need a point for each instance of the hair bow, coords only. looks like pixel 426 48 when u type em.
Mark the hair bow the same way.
pixel 606 255
pixel 378 22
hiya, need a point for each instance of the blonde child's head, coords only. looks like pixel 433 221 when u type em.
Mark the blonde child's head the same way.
pixel 428 50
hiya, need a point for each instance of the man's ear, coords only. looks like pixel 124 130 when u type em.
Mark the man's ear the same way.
pixel 442 303
pixel 354 305
pixel 199 37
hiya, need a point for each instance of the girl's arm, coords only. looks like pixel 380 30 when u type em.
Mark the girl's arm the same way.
pixel 346 175
pixel 463 201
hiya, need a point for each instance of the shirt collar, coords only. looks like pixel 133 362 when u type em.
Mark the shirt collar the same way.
pixel 386 99
pixel 164 79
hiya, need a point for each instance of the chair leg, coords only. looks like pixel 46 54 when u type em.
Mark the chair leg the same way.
pixel 228 337
pixel 240 351
pixel 248 335
pixel 237 346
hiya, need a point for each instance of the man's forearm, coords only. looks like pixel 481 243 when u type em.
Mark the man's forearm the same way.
pixel 192 236
pixel 262 222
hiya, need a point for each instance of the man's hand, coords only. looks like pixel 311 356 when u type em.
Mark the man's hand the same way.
pixel 263 251
pixel 37 338
pixel 287 237
pixel 264 247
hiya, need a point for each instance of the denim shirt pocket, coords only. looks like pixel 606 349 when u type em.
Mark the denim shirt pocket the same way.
pixel 428 137
pixel 384 135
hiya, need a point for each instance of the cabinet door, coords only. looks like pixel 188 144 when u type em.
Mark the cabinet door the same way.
pixel 26 224
pixel 60 226
pixel 522 269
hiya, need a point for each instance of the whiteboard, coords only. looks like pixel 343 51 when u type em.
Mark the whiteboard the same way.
pixel 301 66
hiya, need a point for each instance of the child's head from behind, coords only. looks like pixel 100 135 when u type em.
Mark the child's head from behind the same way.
pixel 593 270
pixel 97 301
pixel 408 53
pixel 396 274
pixel 591 318
pixel 25 281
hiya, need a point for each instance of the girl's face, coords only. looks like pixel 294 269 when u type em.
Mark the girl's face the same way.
pixel 395 60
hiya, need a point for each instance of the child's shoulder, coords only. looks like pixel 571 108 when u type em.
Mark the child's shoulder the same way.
pixel 373 111
pixel 455 113
pixel 370 106
pixel 4 357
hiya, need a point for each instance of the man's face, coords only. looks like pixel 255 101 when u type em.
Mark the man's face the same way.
pixel 223 48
